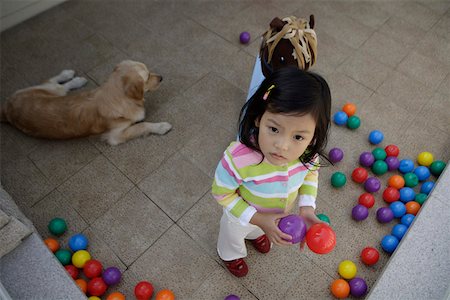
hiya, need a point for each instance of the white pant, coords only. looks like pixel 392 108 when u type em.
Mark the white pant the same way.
pixel 232 235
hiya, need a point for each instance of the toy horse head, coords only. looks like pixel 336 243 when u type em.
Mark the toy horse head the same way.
pixel 288 42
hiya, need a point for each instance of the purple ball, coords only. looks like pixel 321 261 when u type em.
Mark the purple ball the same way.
pixel 385 215
pixel 232 297
pixel 336 155
pixel 372 185
pixel 366 159
pixel 360 212
pixel 294 226
pixel 111 276
pixel 358 287
pixel 244 37
pixel 392 162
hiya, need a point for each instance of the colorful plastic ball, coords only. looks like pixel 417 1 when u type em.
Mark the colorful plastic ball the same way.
pixel 338 179
pixel 379 167
pixel 57 226
pixel 389 243
pixel 347 269
pixel 411 179
pixel 324 218
pixel 427 187
pixel 143 290
pixel 406 166
pixel 372 185
pixel 369 256
pixel 366 199
pixel 391 194
pixel 349 108
pixel 78 242
pixel 392 162
pixel 398 208
pixel 359 212
pixel 358 287
pixel 82 284
pixel 115 296
pixel 396 181
pixel 366 159
pixel 94 297
pixel 72 270
pixel 232 297
pixel 376 137
pixel 320 238
pixel 399 230
pixel 335 155
pixel 165 295
pixel 244 37
pixel 79 258
pixel 384 215
pixel 52 244
pixel 340 288
pixel 359 175
pixel 422 172
pixel 353 122
pixel 392 150
pixel 407 194
pixel 96 287
pixel 425 159
pixel 64 256
pixel 437 167
pixel 420 198
pixel 340 118
pixel 92 268
pixel 295 226
pixel 111 276
pixel 412 207
pixel 407 219
pixel 379 154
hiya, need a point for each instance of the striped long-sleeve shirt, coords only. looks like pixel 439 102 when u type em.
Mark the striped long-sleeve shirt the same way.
pixel 244 186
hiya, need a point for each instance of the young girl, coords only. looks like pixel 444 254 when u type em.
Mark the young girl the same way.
pixel 283 130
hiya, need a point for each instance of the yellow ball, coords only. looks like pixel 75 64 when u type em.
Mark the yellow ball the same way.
pixel 347 269
pixel 80 257
pixel 94 298
pixel 425 159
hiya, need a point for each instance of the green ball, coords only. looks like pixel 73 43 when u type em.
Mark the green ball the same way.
pixel 353 122
pixel 411 179
pixel 64 256
pixel 379 167
pixel 324 218
pixel 421 198
pixel 338 179
pixel 437 167
pixel 379 154
pixel 57 226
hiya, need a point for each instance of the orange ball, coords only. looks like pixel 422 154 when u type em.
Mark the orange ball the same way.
pixel 82 284
pixel 340 288
pixel 165 295
pixel 412 207
pixel 396 181
pixel 52 244
pixel 349 109
pixel 116 296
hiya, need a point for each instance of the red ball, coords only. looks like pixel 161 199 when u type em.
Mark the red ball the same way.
pixel 370 256
pixel 366 199
pixel 96 287
pixel 391 194
pixel 72 270
pixel 92 268
pixel 320 238
pixel 143 290
pixel 392 150
pixel 359 175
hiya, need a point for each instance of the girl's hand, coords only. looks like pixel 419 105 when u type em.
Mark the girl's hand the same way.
pixel 268 222
pixel 308 214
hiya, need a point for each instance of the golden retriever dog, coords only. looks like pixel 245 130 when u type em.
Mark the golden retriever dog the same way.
pixel 115 109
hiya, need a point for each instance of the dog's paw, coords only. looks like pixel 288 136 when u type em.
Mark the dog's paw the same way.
pixel 66 75
pixel 162 128
pixel 77 82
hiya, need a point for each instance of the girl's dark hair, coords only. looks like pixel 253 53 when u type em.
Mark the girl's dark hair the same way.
pixel 295 92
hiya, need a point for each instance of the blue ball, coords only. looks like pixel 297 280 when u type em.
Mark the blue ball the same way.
pixel 407 194
pixel 406 166
pixel 376 137
pixel 427 187
pixel 389 243
pixel 422 172
pixel 399 230
pixel 407 219
pixel 340 118
pixel 398 208
pixel 78 242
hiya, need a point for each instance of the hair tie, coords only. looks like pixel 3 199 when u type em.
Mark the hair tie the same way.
pixel 266 94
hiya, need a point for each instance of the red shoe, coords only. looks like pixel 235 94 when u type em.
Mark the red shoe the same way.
pixel 262 244
pixel 237 267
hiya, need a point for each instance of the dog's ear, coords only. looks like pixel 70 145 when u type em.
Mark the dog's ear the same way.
pixel 311 21
pixel 133 85
pixel 277 24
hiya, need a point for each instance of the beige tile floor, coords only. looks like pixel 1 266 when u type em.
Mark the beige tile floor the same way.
pixel 146 205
